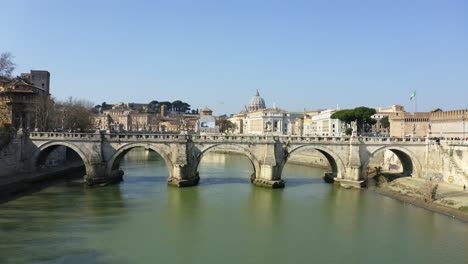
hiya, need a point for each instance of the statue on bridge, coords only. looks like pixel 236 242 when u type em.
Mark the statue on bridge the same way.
pixel 354 128
pixel 183 125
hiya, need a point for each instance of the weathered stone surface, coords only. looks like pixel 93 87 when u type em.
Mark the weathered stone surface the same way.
pixel 349 157
pixel 182 182
pixel 268 184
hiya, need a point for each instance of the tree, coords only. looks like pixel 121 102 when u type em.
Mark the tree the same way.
pixel 180 106
pixel 348 131
pixel 362 115
pixel 75 114
pixel 105 106
pixel 226 126
pixel 385 122
pixel 154 106
pixel 346 115
pixel 167 104
pixel 45 113
pixel 7 66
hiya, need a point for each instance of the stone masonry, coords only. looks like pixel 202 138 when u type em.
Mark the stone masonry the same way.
pixel 349 157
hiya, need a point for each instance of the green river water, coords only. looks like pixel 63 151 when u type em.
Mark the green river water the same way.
pixel 223 220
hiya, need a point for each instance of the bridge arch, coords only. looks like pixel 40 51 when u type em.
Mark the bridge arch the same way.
pixel 227 147
pixel 41 153
pixel 114 161
pixel 411 165
pixel 336 163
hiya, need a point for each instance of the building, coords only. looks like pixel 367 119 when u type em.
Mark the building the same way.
pixel 323 125
pixel 449 124
pixel 437 123
pixel 22 103
pixel 308 127
pixel 382 113
pixel 207 122
pixel 39 79
pixel 271 121
pixel 134 117
pixel 256 119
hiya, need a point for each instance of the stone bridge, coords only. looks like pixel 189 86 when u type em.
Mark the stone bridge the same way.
pixel 349 157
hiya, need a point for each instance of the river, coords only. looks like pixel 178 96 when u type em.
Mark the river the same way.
pixel 224 220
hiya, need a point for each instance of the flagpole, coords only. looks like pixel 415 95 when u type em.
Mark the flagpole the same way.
pixel 416 101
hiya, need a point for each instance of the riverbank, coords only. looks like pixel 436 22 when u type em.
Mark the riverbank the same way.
pixel 451 200
pixel 21 184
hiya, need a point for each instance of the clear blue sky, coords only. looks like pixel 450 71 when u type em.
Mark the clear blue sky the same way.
pixel 299 54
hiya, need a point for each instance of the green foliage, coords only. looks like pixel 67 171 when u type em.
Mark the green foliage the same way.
pixel 226 126
pixel 385 122
pixel 346 115
pixel 181 106
pixel 348 131
pixel 177 105
pixel 362 115
pixel 105 106
pixel 154 106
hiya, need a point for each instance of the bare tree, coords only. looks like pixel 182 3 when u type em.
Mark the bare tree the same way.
pixel 75 114
pixel 45 113
pixel 7 66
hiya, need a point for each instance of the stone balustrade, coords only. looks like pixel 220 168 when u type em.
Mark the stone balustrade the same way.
pixel 348 157
pixel 159 137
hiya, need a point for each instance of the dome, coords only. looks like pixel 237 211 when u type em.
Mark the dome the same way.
pixel 256 103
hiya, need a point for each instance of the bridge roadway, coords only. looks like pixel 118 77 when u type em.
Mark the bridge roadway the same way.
pixel 102 152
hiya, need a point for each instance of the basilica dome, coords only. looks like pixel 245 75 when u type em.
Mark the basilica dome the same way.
pixel 256 103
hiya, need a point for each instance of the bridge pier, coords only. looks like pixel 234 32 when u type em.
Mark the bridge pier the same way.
pixel 269 176
pixel 183 176
pixel 352 177
pixel 96 174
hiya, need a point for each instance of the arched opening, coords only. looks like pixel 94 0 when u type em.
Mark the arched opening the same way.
pixel 226 164
pixel 140 164
pixel 59 159
pixel 387 164
pixel 311 164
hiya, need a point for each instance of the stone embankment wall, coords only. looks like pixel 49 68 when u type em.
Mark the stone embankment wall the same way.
pixel 10 157
pixel 307 157
pixel 447 161
pixel 14 177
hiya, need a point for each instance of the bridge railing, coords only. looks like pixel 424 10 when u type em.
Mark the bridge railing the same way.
pixel 305 139
pixel 392 139
pixel 231 138
pixel 218 137
pixel 312 139
pixel 145 137
pixel 63 135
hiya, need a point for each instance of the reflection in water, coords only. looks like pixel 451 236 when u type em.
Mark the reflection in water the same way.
pixel 223 220
pixel 217 168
